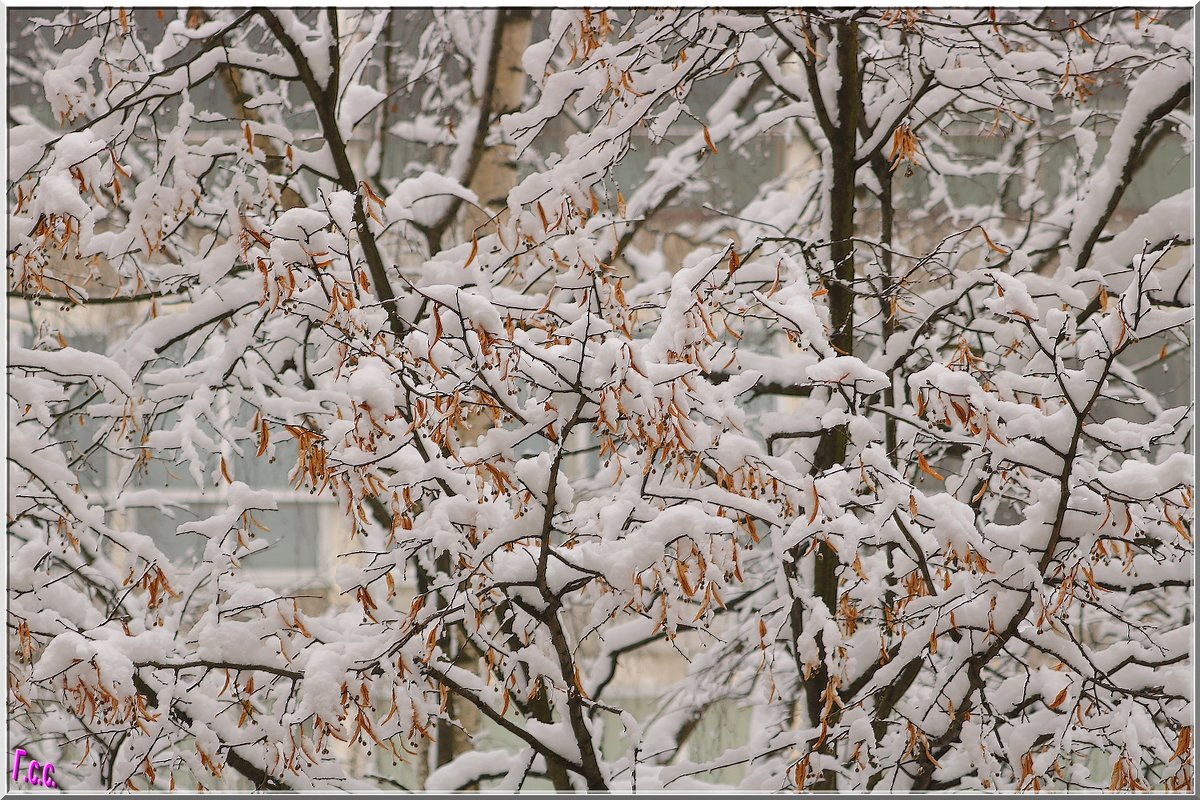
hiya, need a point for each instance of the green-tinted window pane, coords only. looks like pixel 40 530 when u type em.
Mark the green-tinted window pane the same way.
pixel 293 538
pixel 78 431
pixel 181 548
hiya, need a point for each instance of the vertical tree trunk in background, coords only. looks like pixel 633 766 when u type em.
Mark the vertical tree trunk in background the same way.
pixel 832 449
pixel 494 176
pixel 497 171
pixel 887 217
pixel 390 81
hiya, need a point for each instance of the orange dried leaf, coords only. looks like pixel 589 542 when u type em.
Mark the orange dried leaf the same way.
pixel 928 470
pixel 438 330
pixel 475 246
pixel 264 440
pixel 992 244
pixel 1185 743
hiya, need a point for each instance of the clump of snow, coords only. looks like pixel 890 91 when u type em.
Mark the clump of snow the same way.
pixel 848 371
